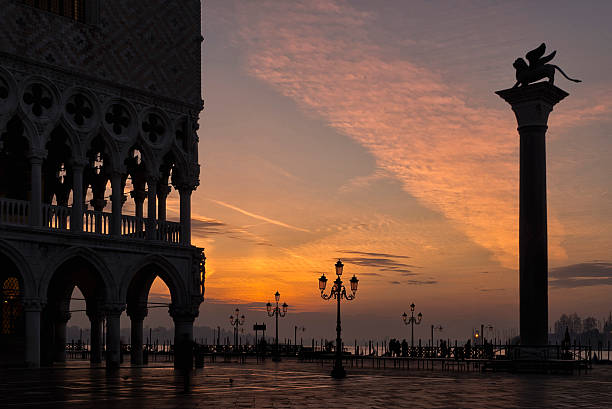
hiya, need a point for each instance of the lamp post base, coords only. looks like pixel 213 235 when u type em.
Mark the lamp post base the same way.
pixel 338 372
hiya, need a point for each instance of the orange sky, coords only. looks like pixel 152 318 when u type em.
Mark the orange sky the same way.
pixel 370 131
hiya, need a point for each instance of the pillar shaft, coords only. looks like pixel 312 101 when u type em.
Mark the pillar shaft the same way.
pixel 96 339
pixel 32 333
pixel 151 203
pixel 533 239
pixel 183 336
pixel 113 339
pixel 117 203
pixel 185 209
pixel 136 337
pixel 76 219
pixel 532 105
pixel 36 196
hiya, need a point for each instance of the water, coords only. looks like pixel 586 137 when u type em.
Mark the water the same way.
pixel 294 384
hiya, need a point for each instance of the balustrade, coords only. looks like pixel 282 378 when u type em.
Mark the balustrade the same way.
pixel 17 212
pixel 14 211
pixel 56 217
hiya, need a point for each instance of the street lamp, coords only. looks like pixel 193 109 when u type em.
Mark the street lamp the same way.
pixel 276 311
pixel 338 291
pixel 236 322
pixel 412 320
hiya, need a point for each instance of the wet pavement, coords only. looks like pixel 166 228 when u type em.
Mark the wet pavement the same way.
pixel 292 384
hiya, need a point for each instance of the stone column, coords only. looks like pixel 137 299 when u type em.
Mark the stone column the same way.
pixel 532 104
pixel 185 209
pixel 95 318
pixel 162 194
pixel 113 336
pixel 76 219
pixel 117 202
pixel 183 335
pixel 59 354
pixel 36 196
pixel 139 196
pixel 137 318
pixel 32 309
pixel 151 203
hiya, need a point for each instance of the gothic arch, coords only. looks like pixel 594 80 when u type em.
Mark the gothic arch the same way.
pixel 90 257
pixel 22 265
pixel 150 267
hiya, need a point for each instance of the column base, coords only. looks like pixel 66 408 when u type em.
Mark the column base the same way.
pixel 338 372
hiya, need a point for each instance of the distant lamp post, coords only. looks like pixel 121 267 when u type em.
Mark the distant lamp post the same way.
pixel 276 311
pixel 436 328
pixel 236 321
pixel 338 291
pixel 412 320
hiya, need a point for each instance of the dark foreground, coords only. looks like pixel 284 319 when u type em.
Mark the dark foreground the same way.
pixel 294 384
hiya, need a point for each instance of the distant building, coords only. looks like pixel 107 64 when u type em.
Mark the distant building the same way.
pixel 99 104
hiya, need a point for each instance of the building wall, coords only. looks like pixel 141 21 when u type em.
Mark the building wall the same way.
pixel 149 45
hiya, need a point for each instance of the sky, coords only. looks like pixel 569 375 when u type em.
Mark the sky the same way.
pixel 369 131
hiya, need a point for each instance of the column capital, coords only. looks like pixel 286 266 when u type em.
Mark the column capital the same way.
pixel 79 163
pixel 137 313
pixel 533 103
pixel 33 304
pixel 163 190
pixel 37 155
pixel 113 309
pixel 184 313
pixel 139 195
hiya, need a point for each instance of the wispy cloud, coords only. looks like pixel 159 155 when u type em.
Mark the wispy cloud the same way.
pixel 456 158
pixel 259 217
pixel 581 275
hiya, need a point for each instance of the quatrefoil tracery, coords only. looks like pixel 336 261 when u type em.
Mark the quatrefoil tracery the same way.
pixel 80 108
pixel 153 127
pixel 39 98
pixel 118 117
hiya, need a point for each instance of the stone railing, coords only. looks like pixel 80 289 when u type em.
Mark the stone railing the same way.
pixel 133 226
pixel 56 217
pixel 168 231
pixel 96 222
pixel 17 212
pixel 14 211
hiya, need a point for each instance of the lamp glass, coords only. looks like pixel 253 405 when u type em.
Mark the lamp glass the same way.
pixel 339 267
pixel 354 282
pixel 285 307
pixel 269 307
pixel 277 296
pixel 322 282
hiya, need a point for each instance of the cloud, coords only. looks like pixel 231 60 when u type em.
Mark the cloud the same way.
pixel 454 157
pixel 581 275
pixel 420 282
pixel 375 262
pixel 394 282
pixel 363 253
pixel 258 217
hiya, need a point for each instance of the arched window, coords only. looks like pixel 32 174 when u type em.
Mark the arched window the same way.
pixel 74 9
pixel 11 306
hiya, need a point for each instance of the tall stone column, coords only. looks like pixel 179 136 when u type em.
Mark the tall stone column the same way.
pixel 32 309
pixel 76 218
pixel 36 196
pixel 95 318
pixel 117 203
pixel 185 209
pixel 151 210
pixel 137 318
pixel 532 104
pixel 162 195
pixel 113 336
pixel 139 195
pixel 183 335
pixel 59 354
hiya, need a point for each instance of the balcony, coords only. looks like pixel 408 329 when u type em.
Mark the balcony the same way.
pixel 17 213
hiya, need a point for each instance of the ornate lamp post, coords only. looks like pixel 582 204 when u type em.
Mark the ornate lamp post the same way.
pixel 338 291
pixel 276 311
pixel 236 322
pixel 412 320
